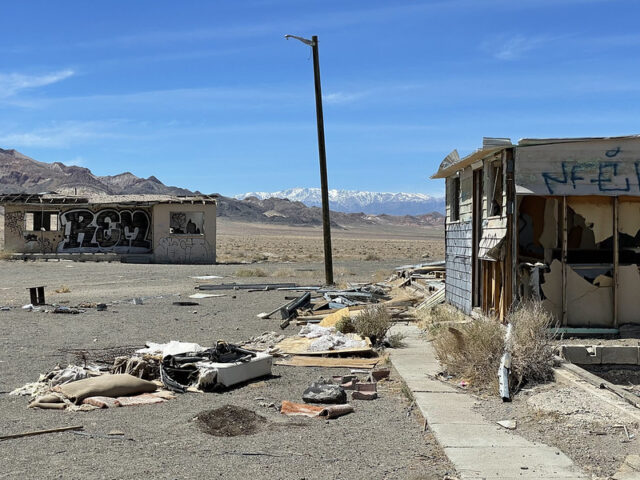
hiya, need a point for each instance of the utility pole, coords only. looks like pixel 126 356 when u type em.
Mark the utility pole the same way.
pixel 322 154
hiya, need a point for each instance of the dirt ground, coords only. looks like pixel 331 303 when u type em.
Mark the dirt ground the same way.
pixel 379 440
pixel 581 426
pixel 251 242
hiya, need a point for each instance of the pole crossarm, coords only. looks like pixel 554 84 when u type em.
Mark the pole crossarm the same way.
pixel 306 41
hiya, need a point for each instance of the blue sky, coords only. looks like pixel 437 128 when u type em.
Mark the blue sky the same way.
pixel 208 95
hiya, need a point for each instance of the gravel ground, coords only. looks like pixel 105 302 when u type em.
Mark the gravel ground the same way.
pixel 379 440
pixel 578 424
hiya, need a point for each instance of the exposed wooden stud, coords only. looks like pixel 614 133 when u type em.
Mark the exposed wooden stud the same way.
pixel 564 261
pixel 616 259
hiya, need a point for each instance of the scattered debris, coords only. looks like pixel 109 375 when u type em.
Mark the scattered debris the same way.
pixel 324 391
pixel 508 424
pixel 207 295
pixel 41 432
pixel 67 310
pixel 246 286
pixel 101 307
pixel 304 361
pixel 186 304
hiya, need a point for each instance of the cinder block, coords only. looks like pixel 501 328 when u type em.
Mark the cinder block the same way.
pixel 582 354
pixel 621 355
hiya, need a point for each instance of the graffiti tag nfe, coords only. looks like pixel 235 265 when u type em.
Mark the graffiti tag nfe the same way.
pixel 108 230
pixel 606 178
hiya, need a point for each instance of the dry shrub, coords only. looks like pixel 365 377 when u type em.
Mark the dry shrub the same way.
pixel 443 314
pixel 531 343
pixel 396 340
pixel 63 289
pixel 373 322
pixel 472 351
pixel 371 257
pixel 247 272
pixel 345 325
pixel 380 276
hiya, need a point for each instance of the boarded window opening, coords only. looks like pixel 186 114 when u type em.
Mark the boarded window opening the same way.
pixel 41 221
pixel 186 223
pixel 455 199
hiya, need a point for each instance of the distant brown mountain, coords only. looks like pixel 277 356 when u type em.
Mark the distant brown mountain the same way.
pixel 21 174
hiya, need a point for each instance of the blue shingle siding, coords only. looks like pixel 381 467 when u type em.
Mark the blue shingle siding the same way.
pixel 458 263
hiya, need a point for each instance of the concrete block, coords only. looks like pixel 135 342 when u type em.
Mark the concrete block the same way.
pixel 582 354
pixel 621 355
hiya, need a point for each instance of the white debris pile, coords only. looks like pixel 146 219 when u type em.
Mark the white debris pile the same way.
pixel 327 338
pixel 172 348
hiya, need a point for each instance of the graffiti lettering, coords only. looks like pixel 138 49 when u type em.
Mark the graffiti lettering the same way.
pixel 107 230
pixel 605 176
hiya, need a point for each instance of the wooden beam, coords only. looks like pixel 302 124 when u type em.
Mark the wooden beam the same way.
pixel 616 259
pixel 564 261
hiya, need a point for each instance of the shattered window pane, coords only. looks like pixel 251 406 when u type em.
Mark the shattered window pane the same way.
pixel 186 223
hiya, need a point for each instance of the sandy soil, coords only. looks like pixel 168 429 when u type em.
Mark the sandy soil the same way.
pixel 379 440
pixel 242 242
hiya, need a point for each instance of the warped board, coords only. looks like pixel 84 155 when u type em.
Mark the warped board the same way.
pixel 304 361
pixel 300 346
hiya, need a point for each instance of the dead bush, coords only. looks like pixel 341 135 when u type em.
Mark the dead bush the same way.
pixel 248 272
pixel 396 340
pixel 373 322
pixel 472 351
pixel 531 348
pixel 63 289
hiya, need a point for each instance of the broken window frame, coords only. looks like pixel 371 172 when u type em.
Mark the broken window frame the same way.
pixel 41 221
pixel 189 217
pixel 454 206
pixel 496 189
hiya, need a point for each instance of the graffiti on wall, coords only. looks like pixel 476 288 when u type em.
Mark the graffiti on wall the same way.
pixel 107 230
pixel 14 222
pixel 183 250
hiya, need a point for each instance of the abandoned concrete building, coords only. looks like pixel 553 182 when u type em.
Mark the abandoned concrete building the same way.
pixel 135 228
pixel 550 219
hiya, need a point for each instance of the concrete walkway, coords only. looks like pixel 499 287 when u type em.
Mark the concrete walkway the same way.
pixel 478 448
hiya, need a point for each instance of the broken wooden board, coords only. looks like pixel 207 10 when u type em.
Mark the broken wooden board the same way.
pixel 300 346
pixel 305 361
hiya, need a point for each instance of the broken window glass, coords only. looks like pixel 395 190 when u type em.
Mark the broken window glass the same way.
pixel 186 223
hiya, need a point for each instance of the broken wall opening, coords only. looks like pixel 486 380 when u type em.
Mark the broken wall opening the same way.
pixel 569 257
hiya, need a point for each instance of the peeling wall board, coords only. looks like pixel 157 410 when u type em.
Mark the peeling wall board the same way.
pixel 597 212
pixel 628 294
pixel 552 289
pixel 598 167
pixel 629 216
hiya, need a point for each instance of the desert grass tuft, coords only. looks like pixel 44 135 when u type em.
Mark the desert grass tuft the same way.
pixel 250 272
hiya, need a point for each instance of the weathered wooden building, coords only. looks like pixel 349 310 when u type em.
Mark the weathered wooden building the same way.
pixel 554 219
pixel 143 228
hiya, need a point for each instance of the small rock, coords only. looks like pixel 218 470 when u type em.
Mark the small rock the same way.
pixel 508 424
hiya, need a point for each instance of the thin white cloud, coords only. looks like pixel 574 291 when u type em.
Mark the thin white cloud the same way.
pixel 58 136
pixel 514 47
pixel 12 83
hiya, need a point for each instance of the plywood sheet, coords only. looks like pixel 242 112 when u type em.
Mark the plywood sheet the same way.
pixel 304 361
pixel 597 167
pixel 629 217
pixel 549 236
pixel 597 213
pixel 587 304
pixel 628 294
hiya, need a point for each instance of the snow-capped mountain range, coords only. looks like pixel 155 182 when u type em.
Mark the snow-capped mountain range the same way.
pixel 351 201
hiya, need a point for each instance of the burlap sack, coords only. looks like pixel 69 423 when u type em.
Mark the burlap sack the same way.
pixel 106 386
